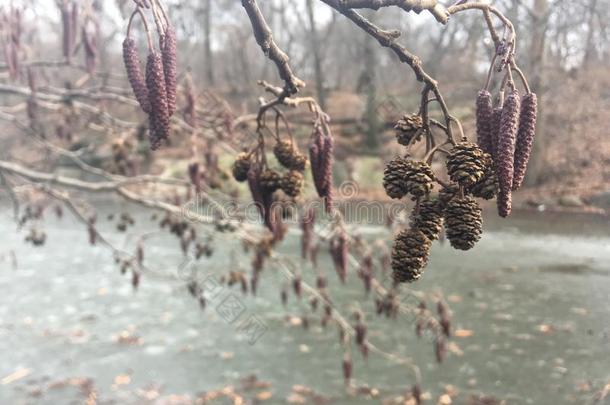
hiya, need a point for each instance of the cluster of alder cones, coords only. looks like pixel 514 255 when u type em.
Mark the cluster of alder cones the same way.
pixel 288 156
pixel 155 91
pixel 493 167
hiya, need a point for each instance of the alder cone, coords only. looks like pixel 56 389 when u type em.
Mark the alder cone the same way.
pixel 487 187
pixel 288 156
pixel 484 120
pixel 509 125
pixel 403 176
pixel 409 128
pixel 170 67
pixel 134 73
pixel 159 114
pixel 467 163
pixel 525 137
pixel 447 193
pixel 463 222
pixel 428 218
pixel 292 183
pixel 270 180
pixel 241 167
pixel 409 255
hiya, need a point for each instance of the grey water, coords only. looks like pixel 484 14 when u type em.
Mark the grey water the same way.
pixel 530 302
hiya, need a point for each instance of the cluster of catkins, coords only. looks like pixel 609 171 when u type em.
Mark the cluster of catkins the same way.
pixel 506 132
pixel 289 157
pixel 493 167
pixel 264 182
pixel 89 32
pixel 122 162
pixel 155 91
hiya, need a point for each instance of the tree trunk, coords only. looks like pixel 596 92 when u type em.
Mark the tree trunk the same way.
pixel 367 83
pixel 316 53
pixel 536 71
pixel 590 53
pixel 207 42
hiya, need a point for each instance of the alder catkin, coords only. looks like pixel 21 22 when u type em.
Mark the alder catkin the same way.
pixel 525 137
pixel 484 120
pixel 509 125
pixel 169 55
pixel 321 157
pixel 495 129
pixel 159 114
pixel 134 73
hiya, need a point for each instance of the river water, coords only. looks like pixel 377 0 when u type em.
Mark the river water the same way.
pixel 530 303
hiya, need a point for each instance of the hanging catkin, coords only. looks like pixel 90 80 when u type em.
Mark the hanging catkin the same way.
pixel 134 73
pixel 525 137
pixel 484 120
pixel 168 52
pixel 509 125
pixel 159 115
pixel 495 129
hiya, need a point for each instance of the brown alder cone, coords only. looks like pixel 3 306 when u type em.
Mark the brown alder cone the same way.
pixel 509 125
pixel 288 156
pixel 241 167
pixel 170 67
pixel 484 120
pixel 463 222
pixel 525 137
pixel 134 73
pixel 292 183
pixel 409 255
pixel 270 180
pixel 466 163
pixel 159 114
pixel 409 128
pixel 428 218
pixel 402 176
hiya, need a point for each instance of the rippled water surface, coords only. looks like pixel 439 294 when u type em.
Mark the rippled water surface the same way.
pixel 531 300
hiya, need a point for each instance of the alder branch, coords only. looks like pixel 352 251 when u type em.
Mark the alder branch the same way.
pixel 389 41
pixel 433 6
pixel 264 38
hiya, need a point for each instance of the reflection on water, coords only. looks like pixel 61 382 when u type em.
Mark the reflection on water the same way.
pixel 531 301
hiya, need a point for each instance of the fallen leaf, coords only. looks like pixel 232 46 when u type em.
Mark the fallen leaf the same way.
pixel 546 329
pixel 463 333
pixel 444 400
pixel 122 379
pixel 263 396
pixel 17 375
